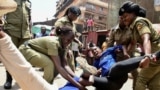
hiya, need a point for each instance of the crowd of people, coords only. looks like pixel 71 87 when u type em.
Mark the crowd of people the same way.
pixel 58 52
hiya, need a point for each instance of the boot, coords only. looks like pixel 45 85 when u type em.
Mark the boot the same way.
pixel 8 84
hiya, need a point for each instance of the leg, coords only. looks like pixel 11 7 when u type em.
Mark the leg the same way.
pixel 146 75
pixel 14 60
pixel 124 67
pixel 154 83
pixel 104 83
pixel 8 83
pixel 134 75
pixel 39 60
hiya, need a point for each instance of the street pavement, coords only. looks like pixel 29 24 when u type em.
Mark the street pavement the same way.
pixel 58 80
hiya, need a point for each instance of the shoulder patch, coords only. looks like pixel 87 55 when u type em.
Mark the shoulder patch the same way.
pixel 139 26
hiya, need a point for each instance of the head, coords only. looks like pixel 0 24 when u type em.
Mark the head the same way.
pixel 66 34
pixel 129 11
pixel 97 52
pixel 73 12
pixel 53 28
pixel 43 29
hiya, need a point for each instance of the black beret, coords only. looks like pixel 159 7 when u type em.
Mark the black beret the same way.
pixel 129 7
pixel 75 10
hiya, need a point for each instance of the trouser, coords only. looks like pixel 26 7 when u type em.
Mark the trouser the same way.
pixel 20 69
pixel 75 54
pixel 39 60
pixel 118 74
pixel 17 42
pixel 149 77
pixel 134 75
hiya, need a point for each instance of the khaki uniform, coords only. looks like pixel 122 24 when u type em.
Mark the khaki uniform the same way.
pixel 64 21
pixel 17 25
pixel 22 71
pixel 122 37
pixel 148 76
pixel 37 52
pixel 18 22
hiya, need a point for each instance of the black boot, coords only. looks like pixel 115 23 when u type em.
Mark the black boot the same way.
pixel 8 84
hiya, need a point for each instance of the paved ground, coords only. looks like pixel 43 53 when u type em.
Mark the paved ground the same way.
pixel 59 80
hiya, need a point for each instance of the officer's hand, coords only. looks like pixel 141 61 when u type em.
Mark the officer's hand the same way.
pixel 144 62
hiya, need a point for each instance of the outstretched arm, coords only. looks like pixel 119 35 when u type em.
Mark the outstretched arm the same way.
pixel 64 73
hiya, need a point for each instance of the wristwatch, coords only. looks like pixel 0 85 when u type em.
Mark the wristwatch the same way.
pixel 150 56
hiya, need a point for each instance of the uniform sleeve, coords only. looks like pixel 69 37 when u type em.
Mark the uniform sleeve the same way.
pixel 52 48
pixel 142 28
pixel 58 24
pixel 111 39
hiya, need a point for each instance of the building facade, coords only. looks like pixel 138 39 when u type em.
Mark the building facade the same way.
pixel 97 9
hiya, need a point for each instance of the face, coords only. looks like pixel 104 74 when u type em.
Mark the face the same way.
pixel 67 39
pixel 72 16
pixel 128 18
pixel 97 52
pixel 43 30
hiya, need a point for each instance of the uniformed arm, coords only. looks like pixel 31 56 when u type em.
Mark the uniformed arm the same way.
pixel 144 32
pixel 125 51
pixel 111 39
pixel 63 72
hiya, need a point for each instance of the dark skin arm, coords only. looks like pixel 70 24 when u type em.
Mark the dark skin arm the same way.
pixel 146 43
pixel 64 73
pixel 147 49
pixel 111 39
pixel 78 41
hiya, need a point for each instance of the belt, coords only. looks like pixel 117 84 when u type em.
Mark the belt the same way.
pixel 26 43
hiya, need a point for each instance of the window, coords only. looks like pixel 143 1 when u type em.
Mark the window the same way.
pixel 90 6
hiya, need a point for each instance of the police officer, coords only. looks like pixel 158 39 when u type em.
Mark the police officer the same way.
pixel 49 53
pixel 18 27
pixel 121 35
pixel 144 34
pixel 70 15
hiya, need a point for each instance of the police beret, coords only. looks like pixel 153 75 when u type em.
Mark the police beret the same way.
pixel 129 7
pixel 75 10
